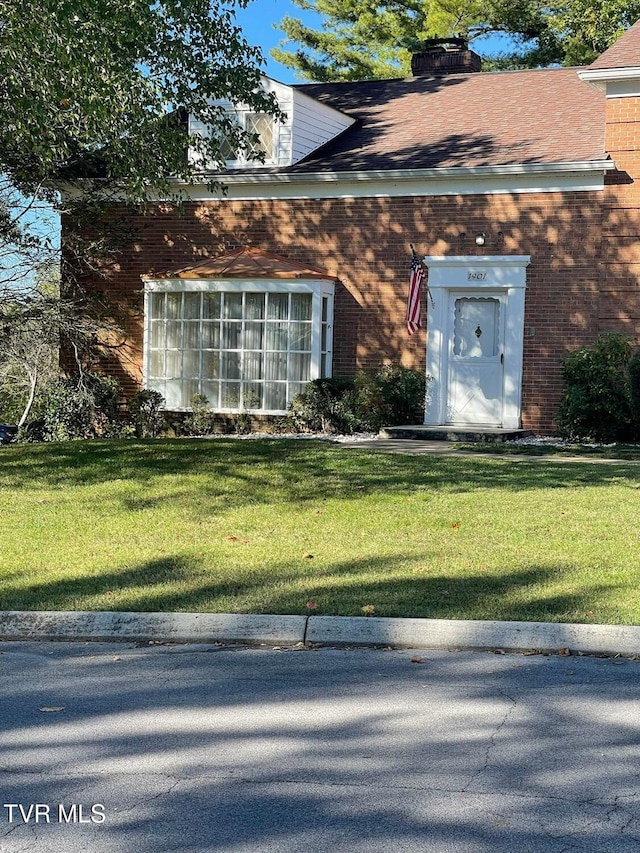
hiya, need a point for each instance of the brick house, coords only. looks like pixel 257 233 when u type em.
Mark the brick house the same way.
pixel 519 190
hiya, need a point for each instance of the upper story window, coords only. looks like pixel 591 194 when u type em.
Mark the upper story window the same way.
pixel 263 127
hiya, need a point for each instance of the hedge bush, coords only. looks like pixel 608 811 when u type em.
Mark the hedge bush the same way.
pixel 388 396
pixel 596 401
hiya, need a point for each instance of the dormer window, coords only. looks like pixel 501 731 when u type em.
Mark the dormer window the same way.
pixel 304 125
pixel 263 127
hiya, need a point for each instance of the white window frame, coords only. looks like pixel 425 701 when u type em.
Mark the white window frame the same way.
pixel 320 289
pixel 240 114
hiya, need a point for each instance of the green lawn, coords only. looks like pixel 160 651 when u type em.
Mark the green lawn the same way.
pixel 267 526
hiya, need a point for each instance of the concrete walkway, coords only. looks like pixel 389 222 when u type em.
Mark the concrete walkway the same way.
pixel 449 448
pixel 321 630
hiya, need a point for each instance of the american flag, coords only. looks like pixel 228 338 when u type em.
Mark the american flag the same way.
pixel 413 305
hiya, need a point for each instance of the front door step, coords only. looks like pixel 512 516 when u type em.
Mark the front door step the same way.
pixel 453 433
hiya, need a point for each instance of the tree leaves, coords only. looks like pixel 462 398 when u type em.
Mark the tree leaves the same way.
pixel 366 39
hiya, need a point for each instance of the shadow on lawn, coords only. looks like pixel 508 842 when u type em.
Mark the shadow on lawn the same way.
pixel 174 583
pixel 257 471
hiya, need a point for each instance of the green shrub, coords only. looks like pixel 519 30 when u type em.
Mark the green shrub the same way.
pixel 388 396
pixel 201 419
pixel 596 400
pixel 83 406
pixel 391 396
pixel 634 393
pixel 144 408
pixel 325 405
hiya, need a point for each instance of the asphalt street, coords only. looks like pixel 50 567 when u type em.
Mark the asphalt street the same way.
pixel 114 748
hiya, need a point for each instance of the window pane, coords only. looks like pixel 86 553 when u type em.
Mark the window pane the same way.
pixel 191 335
pixel 210 306
pixel 275 396
pixel 229 395
pixel 157 385
pixel 191 363
pixel 210 365
pixel 174 302
pixel 156 363
pixel 191 307
pixel 189 390
pixel 275 365
pixel 300 336
pixel 211 335
pixel 232 306
pixel 299 367
pixel 276 336
pixel 262 125
pixel 174 333
pixel 156 306
pixel 252 395
pixel 300 306
pixel 252 365
pixel 211 391
pixel 157 333
pixel 253 335
pixel 296 388
pixel 173 394
pixel 173 364
pixel 231 335
pixel 278 306
pixel 254 306
pixel 230 365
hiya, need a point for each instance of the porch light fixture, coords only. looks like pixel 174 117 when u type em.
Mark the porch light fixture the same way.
pixel 480 240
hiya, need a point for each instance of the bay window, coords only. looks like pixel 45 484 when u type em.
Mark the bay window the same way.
pixel 245 345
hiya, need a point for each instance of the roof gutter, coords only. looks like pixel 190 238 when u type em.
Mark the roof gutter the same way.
pixel 458 172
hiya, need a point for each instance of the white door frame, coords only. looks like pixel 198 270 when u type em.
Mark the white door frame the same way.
pixel 470 273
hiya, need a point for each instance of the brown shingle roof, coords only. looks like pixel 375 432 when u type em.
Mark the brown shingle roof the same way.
pixel 488 119
pixel 247 262
pixel 625 53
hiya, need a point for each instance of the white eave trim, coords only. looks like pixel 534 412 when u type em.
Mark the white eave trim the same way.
pixel 509 178
pixel 603 78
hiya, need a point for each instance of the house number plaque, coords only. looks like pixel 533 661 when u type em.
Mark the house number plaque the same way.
pixel 476 276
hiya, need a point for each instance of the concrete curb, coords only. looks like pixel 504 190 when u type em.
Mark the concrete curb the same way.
pixel 177 627
pixel 321 630
pixel 472 634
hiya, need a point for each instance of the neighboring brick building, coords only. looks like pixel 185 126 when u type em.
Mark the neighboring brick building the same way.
pixel 518 189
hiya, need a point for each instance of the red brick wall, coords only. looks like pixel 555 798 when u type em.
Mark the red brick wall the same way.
pixel 577 245
pixel 619 307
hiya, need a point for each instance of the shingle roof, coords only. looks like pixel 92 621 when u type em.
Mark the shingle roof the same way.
pixel 477 119
pixel 625 53
pixel 247 262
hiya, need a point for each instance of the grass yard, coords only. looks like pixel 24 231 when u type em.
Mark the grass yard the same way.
pixel 266 526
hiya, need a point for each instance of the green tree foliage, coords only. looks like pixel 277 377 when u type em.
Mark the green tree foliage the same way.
pixel 368 39
pixel 95 94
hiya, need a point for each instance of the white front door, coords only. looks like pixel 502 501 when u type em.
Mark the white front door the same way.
pixel 475 339
pixel 475 378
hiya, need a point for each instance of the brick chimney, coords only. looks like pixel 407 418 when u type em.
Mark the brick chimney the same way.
pixel 445 56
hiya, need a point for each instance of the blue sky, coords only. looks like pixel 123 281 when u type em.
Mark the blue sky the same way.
pixel 258 22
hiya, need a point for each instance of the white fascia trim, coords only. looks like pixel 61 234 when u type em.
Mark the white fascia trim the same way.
pixel 262 285
pixel 605 75
pixel 479 180
pixel 614 82
pixel 477 260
